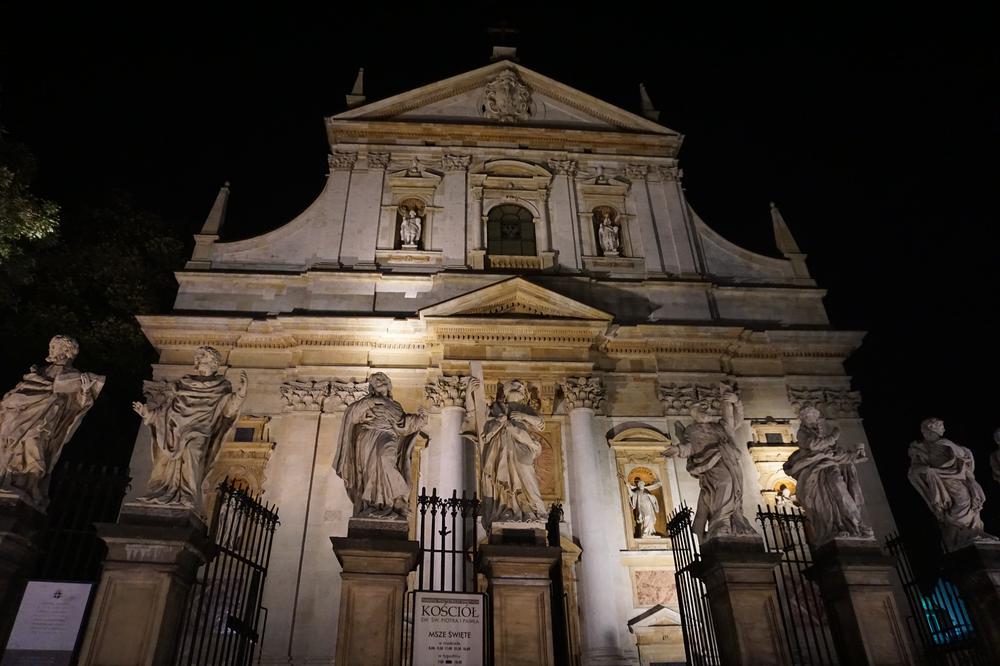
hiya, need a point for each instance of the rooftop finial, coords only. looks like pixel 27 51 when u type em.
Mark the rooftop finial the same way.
pixel 357 95
pixel 503 35
pixel 648 110
pixel 782 234
pixel 217 216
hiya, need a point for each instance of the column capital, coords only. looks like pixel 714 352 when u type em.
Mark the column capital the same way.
pixel 378 160
pixel 583 393
pixel 563 167
pixel 448 391
pixel 342 160
pixel 456 162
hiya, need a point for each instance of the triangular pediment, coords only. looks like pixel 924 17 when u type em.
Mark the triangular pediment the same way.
pixel 521 97
pixel 515 297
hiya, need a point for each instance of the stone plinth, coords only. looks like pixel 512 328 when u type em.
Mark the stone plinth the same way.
pixel 153 555
pixel 739 577
pixel 856 580
pixel 20 524
pixel 519 586
pixel 975 570
pixel 375 558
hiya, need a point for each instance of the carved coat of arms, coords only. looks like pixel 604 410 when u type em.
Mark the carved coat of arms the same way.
pixel 507 98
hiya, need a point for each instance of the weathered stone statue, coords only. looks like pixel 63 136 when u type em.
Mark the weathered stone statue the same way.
pixel 828 488
pixel 38 417
pixel 610 241
pixel 645 506
pixel 188 419
pixel 784 497
pixel 944 474
pixel 713 457
pixel 373 452
pixel 410 227
pixel 511 443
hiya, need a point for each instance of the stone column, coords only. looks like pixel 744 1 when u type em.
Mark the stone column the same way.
pixel 20 524
pixel 599 622
pixel 519 587
pixel 457 464
pixel 975 570
pixel 739 578
pixel 375 558
pixel 153 555
pixel 856 580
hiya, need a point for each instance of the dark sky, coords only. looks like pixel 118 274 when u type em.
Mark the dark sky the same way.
pixel 877 136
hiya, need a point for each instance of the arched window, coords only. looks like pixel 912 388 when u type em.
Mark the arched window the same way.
pixel 510 229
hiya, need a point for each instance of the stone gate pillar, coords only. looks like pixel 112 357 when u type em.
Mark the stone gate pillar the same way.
pixel 975 570
pixel 20 525
pixel 599 623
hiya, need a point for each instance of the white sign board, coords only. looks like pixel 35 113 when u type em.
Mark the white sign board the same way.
pixel 448 629
pixel 47 624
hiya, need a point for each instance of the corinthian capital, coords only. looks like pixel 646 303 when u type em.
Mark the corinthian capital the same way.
pixel 563 167
pixel 636 171
pixel 378 160
pixel 342 160
pixel 456 162
pixel 583 392
pixel 448 391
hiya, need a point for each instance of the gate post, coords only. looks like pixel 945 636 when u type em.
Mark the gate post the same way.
pixel 518 564
pixel 855 580
pixel 20 525
pixel 739 578
pixel 375 558
pixel 153 555
pixel 975 570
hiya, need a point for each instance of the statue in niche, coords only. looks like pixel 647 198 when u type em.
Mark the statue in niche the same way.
pixel 608 233
pixel 511 442
pixel 374 451
pixel 783 496
pixel 995 457
pixel 188 420
pixel 410 227
pixel 714 458
pixel 39 415
pixel 828 488
pixel 944 474
pixel 645 506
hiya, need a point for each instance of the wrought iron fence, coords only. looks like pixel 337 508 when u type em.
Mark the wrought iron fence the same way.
pixel 223 623
pixel 81 495
pixel 939 621
pixel 446 530
pixel 697 627
pixel 559 598
pixel 803 615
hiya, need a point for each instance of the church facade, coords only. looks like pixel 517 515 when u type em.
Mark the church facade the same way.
pixel 500 225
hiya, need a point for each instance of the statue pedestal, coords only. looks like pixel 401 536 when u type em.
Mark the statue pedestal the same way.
pixel 375 558
pixel 20 524
pixel 153 555
pixel 975 570
pixel 519 588
pixel 856 580
pixel 739 577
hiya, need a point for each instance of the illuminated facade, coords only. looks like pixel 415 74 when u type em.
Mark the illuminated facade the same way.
pixel 502 225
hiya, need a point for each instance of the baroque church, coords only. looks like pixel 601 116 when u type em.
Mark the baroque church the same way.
pixel 497 226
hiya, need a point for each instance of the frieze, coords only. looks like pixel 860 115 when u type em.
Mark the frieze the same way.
pixel 678 399
pixel 583 392
pixel 832 403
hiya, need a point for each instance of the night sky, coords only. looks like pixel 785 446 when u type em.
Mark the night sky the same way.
pixel 877 137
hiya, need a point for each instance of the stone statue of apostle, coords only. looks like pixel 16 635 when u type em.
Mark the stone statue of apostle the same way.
pixel 188 420
pixel 944 474
pixel 713 457
pixel 373 452
pixel 828 488
pixel 38 417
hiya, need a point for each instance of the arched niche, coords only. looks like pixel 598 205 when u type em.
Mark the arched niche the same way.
pixel 638 452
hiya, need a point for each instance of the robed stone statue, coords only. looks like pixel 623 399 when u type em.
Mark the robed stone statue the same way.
pixel 714 458
pixel 944 474
pixel 645 506
pixel 374 450
pixel 511 443
pixel 188 420
pixel 38 417
pixel 828 488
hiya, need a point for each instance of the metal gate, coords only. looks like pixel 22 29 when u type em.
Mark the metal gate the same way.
pixel 696 616
pixel 803 615
pixel 446 529
pixel 225 622
pixel 939 621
